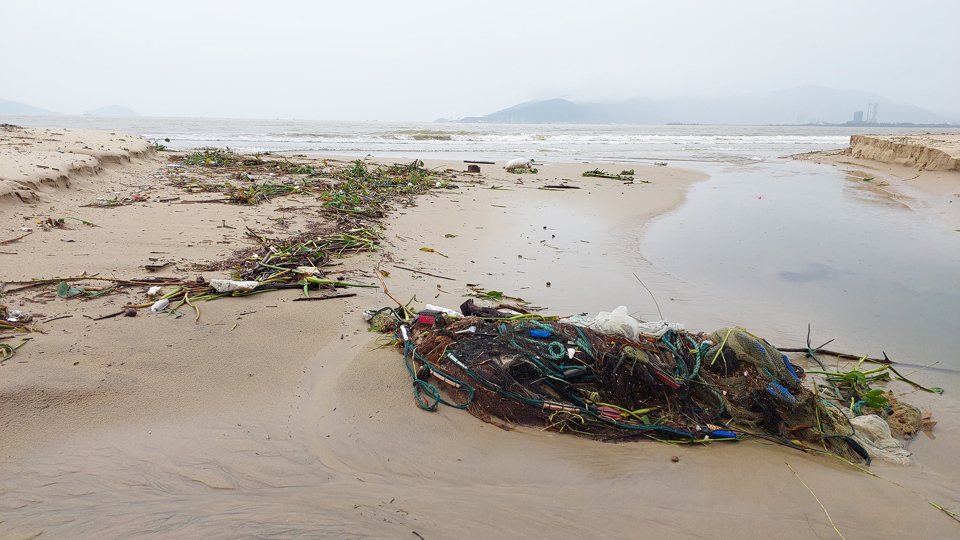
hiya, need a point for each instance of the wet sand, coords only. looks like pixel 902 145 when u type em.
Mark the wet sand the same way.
pixel 294 424
pixel 921 169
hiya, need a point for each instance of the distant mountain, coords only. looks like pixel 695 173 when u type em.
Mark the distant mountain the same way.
pixel 804 105
pixel 542 112
pixel 112 110
pixel 16 108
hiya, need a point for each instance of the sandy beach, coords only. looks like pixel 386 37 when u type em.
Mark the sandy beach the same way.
pixel 270 418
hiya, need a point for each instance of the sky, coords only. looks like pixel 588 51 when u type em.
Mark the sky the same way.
pixel 420 60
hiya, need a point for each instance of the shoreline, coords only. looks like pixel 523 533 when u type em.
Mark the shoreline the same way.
pixel 920 170
pixel 179 425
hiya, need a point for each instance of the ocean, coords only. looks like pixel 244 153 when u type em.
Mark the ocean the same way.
pixel 796 242
pixel 551 142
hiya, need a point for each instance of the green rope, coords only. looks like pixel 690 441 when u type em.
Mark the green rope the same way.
pixel 423 389
pixel 583 343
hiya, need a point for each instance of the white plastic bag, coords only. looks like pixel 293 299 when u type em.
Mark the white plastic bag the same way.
pixel 873 433
pixel 617 322
pixel 519 163
pixel 658 328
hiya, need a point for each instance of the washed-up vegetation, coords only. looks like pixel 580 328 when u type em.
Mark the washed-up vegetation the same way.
pixel 353 197
pixel 598 173
pixel 357 189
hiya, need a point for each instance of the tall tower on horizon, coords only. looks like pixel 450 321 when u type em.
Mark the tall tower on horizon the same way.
pixel 872 113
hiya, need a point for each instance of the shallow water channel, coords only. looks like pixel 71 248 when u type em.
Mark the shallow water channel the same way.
pixel 804 243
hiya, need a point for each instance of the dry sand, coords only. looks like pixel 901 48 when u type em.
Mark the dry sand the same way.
pixel 293 424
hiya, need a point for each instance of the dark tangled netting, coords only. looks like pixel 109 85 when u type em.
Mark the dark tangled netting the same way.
pixel 680 386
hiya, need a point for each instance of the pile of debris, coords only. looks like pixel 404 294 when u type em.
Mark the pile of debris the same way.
pixel 614 378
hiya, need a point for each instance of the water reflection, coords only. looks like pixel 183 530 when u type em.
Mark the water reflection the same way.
pixel 799 244
pixel 815 272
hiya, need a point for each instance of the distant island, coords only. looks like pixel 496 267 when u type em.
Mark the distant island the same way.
pixel 808 105
pixel 15 108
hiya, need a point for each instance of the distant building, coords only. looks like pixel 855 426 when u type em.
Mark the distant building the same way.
pixel 872 113
pixel 858 117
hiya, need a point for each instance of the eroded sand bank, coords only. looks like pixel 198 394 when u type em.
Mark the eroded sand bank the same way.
pixel 293 424
pixel 31 159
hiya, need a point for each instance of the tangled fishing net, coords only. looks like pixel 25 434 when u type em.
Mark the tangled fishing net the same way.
pixel 565 376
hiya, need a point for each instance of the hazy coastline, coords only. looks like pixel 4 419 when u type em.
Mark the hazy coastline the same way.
pixel 266 403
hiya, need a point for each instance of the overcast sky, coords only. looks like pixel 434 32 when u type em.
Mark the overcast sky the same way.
pixel 395 60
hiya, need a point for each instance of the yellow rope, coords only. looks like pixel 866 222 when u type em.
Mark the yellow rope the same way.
pixel 817 499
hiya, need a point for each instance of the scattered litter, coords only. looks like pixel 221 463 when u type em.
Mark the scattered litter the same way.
pixel 227 285
pixel 873 433
pixel 155 267
pixel 17 316
pixel 159 305
pixel 431 250
pixel 519 163
pixel 619 322
pixel 451 312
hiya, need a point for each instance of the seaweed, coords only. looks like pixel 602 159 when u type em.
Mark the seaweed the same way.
pixel 598 173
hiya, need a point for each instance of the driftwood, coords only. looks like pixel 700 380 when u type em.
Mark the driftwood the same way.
pixel 419 272
pixel 812 351
pixel 332 296
pixel 110 316
pixel 12 240
pixel 840 355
